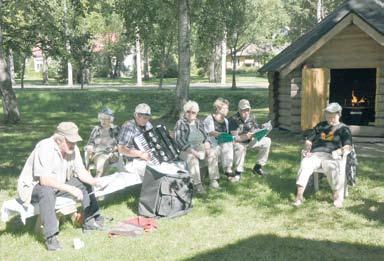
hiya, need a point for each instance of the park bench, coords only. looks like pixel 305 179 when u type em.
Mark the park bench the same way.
pixel 64 205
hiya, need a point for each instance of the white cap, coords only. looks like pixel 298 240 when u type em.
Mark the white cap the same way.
pixel 333 108
pixel 69 130
pixel 244 104
pixel 143 108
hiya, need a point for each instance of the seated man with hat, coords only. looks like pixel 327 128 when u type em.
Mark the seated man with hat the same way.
pixel 55 168
pixel 242 126
pixel 102 144
pixel 135 159
pixel 323 148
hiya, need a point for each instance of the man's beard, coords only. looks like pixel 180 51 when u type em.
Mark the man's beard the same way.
pixel 70 152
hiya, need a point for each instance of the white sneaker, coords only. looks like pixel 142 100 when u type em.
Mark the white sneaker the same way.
pixel 214 184
pixel 338 203
pixel 236 178
pixel 199 189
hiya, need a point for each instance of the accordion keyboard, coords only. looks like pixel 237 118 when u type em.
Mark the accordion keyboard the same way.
pixel 158 144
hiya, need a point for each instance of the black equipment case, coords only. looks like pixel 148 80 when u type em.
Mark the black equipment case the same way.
pixel 165 195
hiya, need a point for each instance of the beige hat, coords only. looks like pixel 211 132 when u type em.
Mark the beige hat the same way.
pixel 244 104
pixel 69 130
pixel 143 108
pixel 333 108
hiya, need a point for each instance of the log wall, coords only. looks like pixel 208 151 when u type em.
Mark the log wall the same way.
pixel 352 48
pixel 379 108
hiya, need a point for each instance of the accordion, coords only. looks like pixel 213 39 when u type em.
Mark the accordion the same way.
pixel 158 143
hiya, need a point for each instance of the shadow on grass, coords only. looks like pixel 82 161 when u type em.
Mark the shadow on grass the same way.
pixel 129 195
pixel 271 247
pixel 370 209
pixel 15 227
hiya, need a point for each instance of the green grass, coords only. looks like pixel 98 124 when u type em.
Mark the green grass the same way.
pixel 247 78
pixel 250 220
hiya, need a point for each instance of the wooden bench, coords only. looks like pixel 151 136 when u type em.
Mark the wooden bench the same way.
pixel 65 206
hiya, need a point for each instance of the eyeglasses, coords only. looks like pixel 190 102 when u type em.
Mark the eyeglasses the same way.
pixel 70 144
pixel 144 115
pixel 192 112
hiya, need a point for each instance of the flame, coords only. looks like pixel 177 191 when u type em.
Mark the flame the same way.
pixel 355 101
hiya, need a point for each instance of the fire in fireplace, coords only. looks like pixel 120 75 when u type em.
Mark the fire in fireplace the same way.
pixel 358 102
pixel 354 90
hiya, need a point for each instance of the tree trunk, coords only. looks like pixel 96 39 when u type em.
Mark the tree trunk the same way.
pixel 11 67
pixel 319 11
pixel 10 109
pixel 117 68
pixel 162 67
pixel 23 72
pixel 110 67
pixel 138 62
pixel 45 69
pixel 224 60
pixel 70 74
pixel 234 63
pixel 164 61
pixel 87 75
pixel 183 80
pixel 82 77
pixel 211 77
pixel 146 62
pixel 217 62
pixel 67 46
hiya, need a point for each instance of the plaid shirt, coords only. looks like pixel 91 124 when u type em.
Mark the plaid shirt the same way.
pixel 182 131
pixel 96 133
pixel 129 130
pixel 236 123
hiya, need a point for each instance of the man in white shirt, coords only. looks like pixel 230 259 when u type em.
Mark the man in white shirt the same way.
pixel 55 168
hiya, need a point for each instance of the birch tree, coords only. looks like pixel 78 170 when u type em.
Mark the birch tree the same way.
pixel 10 107
pixel 184 34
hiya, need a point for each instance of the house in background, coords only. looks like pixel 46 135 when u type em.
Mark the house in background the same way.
pixel 245 58
pixel 340 60
pixel 37 56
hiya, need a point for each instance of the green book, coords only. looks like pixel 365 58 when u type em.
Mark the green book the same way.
pixel 224 137
pixel 258 135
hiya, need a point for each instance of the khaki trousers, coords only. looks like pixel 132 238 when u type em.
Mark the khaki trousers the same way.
pixel 102 163
pixel 136 166
pixel 240 150
pixel 335 174
pixel 193 165
pixel 220 153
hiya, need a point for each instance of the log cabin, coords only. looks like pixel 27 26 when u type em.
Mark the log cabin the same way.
pixel 341 59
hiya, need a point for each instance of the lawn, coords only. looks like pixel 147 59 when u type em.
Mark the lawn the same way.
pixel 35 79
pixel 249 220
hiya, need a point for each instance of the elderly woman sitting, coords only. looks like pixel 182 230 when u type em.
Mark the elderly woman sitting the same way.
pixel 216 125
pixel 102 144
pixel 193 143
pixel 324 147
